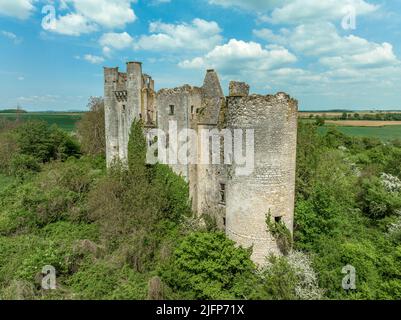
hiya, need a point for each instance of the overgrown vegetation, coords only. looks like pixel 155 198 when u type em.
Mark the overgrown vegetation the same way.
pixel 281 234
pixel 128 232
pixel 26 146
pixel 348 211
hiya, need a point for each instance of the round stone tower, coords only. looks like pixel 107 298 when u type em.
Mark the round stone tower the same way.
pixel 270 188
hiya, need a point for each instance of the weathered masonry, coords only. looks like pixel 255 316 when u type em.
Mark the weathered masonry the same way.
pixel 238 203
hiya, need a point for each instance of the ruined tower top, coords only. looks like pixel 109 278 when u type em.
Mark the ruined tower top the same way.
pixel 238 89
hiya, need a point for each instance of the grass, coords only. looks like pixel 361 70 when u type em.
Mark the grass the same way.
pixel 384 133
pixel 66 121
pixel 5 181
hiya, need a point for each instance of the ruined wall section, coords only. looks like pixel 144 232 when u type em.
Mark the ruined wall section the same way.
pixel 111 83
pixel 212 97
pixel 128 104
pixel 134 88
pixel 271 187
pixel 238 89
pixel 211 177
pixel 148 110
pixel 177 105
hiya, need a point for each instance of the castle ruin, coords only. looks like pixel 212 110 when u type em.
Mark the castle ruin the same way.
pixel 238 203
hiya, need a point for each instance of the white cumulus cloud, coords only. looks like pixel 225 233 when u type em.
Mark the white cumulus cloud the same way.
pixel 237 55
pixel 298 11
pixel 117 41
pixel 20 9
pixel 380 55
pixel 91 58
pixel 107 13
pixel 195 36
pixel 258 5
pixel 73 24
pixel 322 41
pixel 340 66
pixel 90 15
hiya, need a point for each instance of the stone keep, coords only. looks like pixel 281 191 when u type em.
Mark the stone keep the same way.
pixel 239 204
pixel 127 96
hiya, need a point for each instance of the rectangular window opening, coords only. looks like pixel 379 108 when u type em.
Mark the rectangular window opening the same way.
pixel 222 193
pixel 171 110
pixel 167 140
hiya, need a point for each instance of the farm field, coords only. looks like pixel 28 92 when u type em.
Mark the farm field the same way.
pixel 363 123
pixel 385 133
pixel 64 120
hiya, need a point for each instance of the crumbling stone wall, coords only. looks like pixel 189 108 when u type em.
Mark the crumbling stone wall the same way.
pixel 179 105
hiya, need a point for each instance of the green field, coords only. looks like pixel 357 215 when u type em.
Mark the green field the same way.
pixel 66 121
pixel 385 133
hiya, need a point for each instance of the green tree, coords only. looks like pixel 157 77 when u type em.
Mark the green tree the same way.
pixel 137 147
pixel 91 128
pixel 45 142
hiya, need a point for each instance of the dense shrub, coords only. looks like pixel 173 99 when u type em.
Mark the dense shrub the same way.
pixel 102 280
pixel 57 193
pixel 377 202
pixel 24 147
pixel 22 165
pixel 206 265
pixel 45 142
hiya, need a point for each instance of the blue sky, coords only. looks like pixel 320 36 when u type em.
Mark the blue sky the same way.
pixel 308 48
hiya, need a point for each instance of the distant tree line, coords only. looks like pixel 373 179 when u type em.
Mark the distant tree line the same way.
pixel 13 111
pixel 382 116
